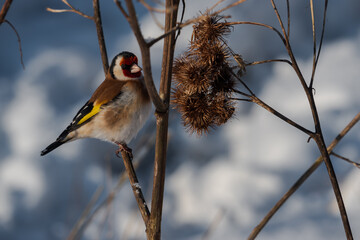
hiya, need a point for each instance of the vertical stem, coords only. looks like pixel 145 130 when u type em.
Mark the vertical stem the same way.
pixel 162 122
pixel 100 34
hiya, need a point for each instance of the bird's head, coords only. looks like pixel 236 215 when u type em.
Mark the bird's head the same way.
pixel 124 67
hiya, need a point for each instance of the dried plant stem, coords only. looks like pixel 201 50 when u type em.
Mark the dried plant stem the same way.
pixel 72 9
pixel 19 42
pixel 320 45
pixel 162 122
pixel 314 40
pixel 4 10
pixel 100 34
pixel 279 115
pixel 145 213
pixel 146 62
pixel 345 159
pixel 261 25
pixel 126 15
pixel 268 61
pixel 302 179
pixel 318 136
pixel 288 18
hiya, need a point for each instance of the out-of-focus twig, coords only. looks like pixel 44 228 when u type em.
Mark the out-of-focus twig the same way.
pixel 214 224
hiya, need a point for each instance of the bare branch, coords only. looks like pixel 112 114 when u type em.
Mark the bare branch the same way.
pixel 346 159
pixel 282 117
pixel 314 42
pixel 145 213
pixel 162 122
pixel 262 25
pixel 268 61
pixel 145 52
pixel 181 18
pixel 4 10
pixel 288 18
pixel 214 6
pixel 152 9
pixel 72 9
pixel 229 6
pixel 302 179
pixel 126 15
pixel 19 42
pixel 100 35
pixel 320 45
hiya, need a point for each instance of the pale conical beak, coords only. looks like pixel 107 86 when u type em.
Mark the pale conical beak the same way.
pixel 135 68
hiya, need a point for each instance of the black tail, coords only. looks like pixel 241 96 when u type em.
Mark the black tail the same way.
pixel 51 147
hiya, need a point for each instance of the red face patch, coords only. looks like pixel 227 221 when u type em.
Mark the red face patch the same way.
pixel 126 64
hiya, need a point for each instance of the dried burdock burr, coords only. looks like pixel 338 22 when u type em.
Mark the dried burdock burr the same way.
pixel 203 78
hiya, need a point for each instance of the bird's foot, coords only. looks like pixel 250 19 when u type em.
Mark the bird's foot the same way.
pixel 124 148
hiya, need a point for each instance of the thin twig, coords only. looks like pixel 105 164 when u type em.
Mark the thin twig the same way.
pixel 320 45
pixel 72 9
pixel 126 15
pixel 259 24
pixel 346 159
pixel 268 61
pixel 288 18
pixel 4 10
pixel 19 42
pixel 152 9
pixel 214 224
pixel 181 18
pixel 302 179
pixel 314 41
pixel 214 6
pixel 229 6
pixel 282 117
pixel 100 35
pixel 145 213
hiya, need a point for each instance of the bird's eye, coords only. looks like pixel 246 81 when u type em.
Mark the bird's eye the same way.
pixel 125 66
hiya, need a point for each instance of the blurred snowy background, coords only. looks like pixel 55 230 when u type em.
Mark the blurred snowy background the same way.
pixel 233 176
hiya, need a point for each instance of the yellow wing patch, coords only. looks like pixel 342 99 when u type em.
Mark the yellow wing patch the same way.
pixel 94 111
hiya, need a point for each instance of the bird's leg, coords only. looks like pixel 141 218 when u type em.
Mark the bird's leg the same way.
pixel 124 147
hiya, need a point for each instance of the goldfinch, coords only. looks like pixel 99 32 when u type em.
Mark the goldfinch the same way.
pixel 116 111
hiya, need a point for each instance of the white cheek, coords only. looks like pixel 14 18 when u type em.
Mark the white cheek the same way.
pixel 118 73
